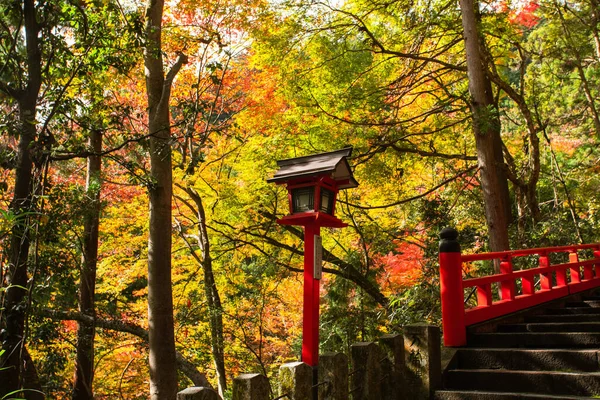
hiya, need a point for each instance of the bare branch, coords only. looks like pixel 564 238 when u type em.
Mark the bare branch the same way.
pixel 424 153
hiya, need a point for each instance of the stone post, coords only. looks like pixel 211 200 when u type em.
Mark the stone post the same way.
pixel 251 387
pixel 198 393
pixel 295 381
pixel 423 360
pixel 366 379
pixel 333 376
pixel 393 386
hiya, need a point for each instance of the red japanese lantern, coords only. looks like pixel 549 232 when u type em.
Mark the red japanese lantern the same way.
pixel 313 183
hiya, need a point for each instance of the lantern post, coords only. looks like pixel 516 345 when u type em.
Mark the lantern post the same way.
pixel 313 183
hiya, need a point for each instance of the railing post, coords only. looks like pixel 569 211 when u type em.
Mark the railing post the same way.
pixel 484 295
pixel 528 285
pixel 561 277
pixel 451 289
pixel 545 277
pixel 588 272
pixel 575 270
pixel 507 287
pixel 597 266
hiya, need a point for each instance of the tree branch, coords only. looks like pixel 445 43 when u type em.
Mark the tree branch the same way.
pixel 346 269
pixel 168 82
pixel 187 367
pixel 382 49
pixel 408 200
pixel 424 153
pixel 9 90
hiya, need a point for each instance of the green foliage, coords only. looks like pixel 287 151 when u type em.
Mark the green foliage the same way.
pixel 348 314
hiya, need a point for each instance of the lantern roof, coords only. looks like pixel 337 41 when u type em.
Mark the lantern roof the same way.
pixel 333 164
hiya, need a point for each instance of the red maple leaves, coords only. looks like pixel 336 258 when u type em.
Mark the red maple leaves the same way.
pixel 402 267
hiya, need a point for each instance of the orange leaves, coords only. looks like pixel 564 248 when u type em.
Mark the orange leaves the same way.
pixel 402 267
pixel 521 13
pixel 525 15
pixel 264 102
pixel 69 326
pixel 567 145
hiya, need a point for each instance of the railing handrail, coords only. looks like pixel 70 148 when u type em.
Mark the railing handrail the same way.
pixel 500 255
pixel 495 278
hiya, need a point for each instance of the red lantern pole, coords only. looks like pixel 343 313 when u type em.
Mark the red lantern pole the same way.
pixel 310 326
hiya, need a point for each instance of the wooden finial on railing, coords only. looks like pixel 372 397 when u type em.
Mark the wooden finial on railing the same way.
pixel 448 242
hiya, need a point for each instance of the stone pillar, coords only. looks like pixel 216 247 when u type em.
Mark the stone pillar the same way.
pixel 251 387
pixel 295 381
pixel 366 378
pixel 333 376
pixel 393 386
pixel 423 360
pixel 198 393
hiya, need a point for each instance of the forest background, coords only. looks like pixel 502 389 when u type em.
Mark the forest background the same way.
pixel 86 88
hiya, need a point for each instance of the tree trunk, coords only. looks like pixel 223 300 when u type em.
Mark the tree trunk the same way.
pixel 16 368
pixel 84 363
pixel 211 292
pixel 163 362
pixel 163 372
pixel 16 294
pixel 486 125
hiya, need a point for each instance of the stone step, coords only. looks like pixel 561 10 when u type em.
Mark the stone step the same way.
pixel 572 310
pixel 540 340
pixel 538 382
pixel 584 303
pixel 551 327
pixel 564 318
pixel 479 395
pixel 528 359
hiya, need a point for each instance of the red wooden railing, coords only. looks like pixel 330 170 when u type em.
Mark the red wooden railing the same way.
pixel 555 281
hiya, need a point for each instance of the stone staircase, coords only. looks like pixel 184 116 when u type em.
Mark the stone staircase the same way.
pixel 550 353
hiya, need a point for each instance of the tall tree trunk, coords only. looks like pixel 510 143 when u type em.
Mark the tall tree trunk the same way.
pixel 86 332
pixel 16 367
pixel 16 293
pixel 486 124
pixel 211 291
pixel 163 362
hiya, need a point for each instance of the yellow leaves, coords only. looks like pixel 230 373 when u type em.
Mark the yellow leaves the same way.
pixel 123 250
